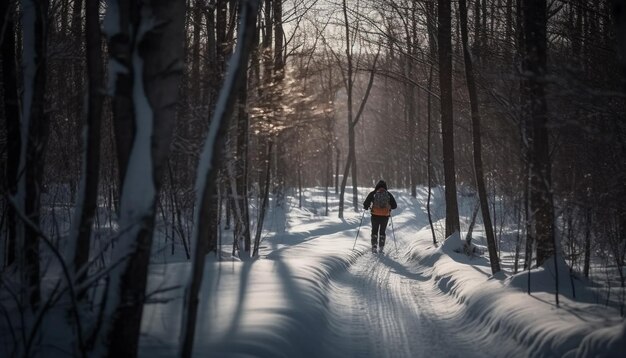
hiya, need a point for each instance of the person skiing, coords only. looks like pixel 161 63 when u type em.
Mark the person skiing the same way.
pixel 381 202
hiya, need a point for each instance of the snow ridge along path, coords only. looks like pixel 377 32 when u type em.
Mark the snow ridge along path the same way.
pixel 381 309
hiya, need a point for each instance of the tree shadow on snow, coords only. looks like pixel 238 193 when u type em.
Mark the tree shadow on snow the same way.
pixel 401 270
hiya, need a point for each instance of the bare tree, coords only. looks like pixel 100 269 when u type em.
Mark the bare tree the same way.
pixel 535 47
pixel 12 119
pixel 87 208
pixel 476 138
pixel 34 135
pixel 353 120
pixel 444 37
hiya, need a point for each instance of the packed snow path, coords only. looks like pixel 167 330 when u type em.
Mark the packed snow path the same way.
pixel 378 310
pixel 380 307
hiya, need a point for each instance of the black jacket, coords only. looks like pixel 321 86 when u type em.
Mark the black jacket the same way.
pixel 370 197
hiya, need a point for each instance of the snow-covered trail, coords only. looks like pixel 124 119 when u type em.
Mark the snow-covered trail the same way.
pixel 311 295
pixel 382 306
pixel 375 313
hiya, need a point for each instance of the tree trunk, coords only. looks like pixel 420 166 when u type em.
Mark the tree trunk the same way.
pixel 279 61
pixel 329 173
pixel 587 263
pixel 518 239
pixel 209 163
pixel 411 116
pixel 476 139
pixel 447 118
pixel 34 137
pixel 351 161
pixel 12 122
pixel 508 28
pixel 344 179
pixel 470 229
pixel 89 193
pixel 266 194
pixel 477 35
pixel 242 227
pixel 299 176
pixel 428 156
pixel 211 71
pixel 535 46
pixel 157 62
pixel 195 54
pixel 337 169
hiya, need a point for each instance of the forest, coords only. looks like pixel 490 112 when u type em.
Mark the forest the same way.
pixel 132 130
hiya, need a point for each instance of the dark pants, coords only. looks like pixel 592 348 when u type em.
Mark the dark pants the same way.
pixel 379 225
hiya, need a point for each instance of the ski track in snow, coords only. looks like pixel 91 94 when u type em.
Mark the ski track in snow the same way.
pixel 381 308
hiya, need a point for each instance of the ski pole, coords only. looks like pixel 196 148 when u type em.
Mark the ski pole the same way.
pixel 357 230
pixel 394 233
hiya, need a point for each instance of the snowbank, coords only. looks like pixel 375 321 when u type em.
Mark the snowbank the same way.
pixel 577 328
pixel 269 307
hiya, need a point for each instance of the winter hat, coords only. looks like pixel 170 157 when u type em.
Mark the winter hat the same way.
pixel 381 184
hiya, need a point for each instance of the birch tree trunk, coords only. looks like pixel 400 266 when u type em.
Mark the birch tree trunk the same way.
pixel 157 63
pixel 209 163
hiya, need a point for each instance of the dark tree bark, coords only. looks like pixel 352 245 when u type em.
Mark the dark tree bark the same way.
pixel 535 48
pixel 214 76
pixel 265 199
pixel 211 71
pixel 477 32
pixel 77 18
pixel 195 53
pixel 428 154
pixel 268 64
pixel 34 129
pixel 242 227
pixel 279 60
pixel 93 123
pixel 350 161
pixel 11 122
pixel 509 28
pixel 411 101
pixel 447 118
pixel 337 160
pixel 477 146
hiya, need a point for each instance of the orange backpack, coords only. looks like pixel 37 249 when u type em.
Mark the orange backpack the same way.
pixel 381 205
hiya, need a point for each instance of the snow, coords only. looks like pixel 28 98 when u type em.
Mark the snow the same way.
pixel 311 295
